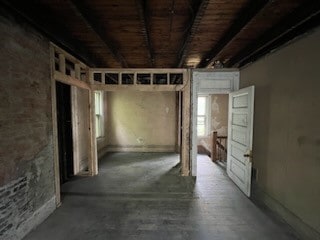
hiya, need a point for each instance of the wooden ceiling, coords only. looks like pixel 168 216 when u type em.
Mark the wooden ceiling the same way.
pixel 169 33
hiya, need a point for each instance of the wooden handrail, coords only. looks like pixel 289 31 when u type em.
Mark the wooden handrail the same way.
pixel 216 144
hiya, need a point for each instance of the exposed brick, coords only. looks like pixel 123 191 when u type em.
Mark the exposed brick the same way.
pixel 26 152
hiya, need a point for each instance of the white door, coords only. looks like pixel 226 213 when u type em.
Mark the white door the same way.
pixel 240 132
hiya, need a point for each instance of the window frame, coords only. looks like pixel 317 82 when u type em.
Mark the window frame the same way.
pixel 99 114
pixel 207 114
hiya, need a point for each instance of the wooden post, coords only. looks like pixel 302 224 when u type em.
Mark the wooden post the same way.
pixel 62 63
pixel 55 128
pixel 178 122
pixel 77 70
pixel 214 146
pixel 185 143
pixel 93 156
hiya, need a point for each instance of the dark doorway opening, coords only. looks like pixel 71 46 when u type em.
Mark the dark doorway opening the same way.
pixel 64 120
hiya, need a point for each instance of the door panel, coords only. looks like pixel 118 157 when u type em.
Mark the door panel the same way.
pixel 240 130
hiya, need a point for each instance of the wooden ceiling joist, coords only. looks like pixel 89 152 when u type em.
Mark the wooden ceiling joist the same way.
pixel 296 23
pixel 57 33
pixel 251 9
pixel 97 28
pixel 184 50
pixel 144 18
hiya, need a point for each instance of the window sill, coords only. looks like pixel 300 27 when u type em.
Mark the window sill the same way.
pixel 100 139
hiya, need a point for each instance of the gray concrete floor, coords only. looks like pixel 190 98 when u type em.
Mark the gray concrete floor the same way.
pixel 141 196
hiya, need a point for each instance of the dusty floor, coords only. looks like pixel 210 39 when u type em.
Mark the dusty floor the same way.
pixel 140 196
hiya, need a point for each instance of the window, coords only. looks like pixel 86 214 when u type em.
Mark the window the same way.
pixel 203 116
pixel 99 113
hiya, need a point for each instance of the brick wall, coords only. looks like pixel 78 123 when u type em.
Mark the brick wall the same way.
pixel 26 152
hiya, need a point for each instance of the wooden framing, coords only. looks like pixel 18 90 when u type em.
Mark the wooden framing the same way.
pixel 55 129
pixel 135 86
pixel 183 89
pixel 93 155
pixel 74 76
pixel 179 120
pixel 186 129
pixel 74 79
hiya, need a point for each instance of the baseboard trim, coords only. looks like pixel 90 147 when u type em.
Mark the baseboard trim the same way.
pixel 141 148
pixel 304 230
pixel 102 152
pixel 36 218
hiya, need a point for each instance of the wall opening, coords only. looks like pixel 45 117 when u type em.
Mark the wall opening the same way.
pixel 65 141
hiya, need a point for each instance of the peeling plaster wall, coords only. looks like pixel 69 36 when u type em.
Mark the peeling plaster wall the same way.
pixel 219 113
pixel 26 149
pixel 219 121
pixel 286 145
pixel 141 121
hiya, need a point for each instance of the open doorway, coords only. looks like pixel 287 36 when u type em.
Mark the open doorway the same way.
pixel 212 127
pixel 240 122
pixel 64 123
pixel 148 110
pixel 210 89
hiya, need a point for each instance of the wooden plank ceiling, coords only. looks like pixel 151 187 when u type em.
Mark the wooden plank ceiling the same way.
pixel 169 33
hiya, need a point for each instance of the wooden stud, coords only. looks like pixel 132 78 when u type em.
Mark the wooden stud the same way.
pixel 93 156
pixel 62 64
pixel 55 129
pixel 185 145
pixel 77 69
pixel 138 87
pixel 178 112
pixel 103 78
pixel 58 76
pixel 75 129
pixel 139 70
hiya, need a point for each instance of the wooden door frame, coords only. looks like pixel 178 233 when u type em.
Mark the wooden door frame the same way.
pixel 74 80
pixel 233 76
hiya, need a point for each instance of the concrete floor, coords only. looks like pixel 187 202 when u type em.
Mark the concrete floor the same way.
pixel 140 196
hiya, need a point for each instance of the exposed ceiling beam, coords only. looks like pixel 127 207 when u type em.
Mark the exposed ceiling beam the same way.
pixel 195 22
pixel 251 9
pixel 88 18
pixel 294 24
pixel 55 32
pixel 144 18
